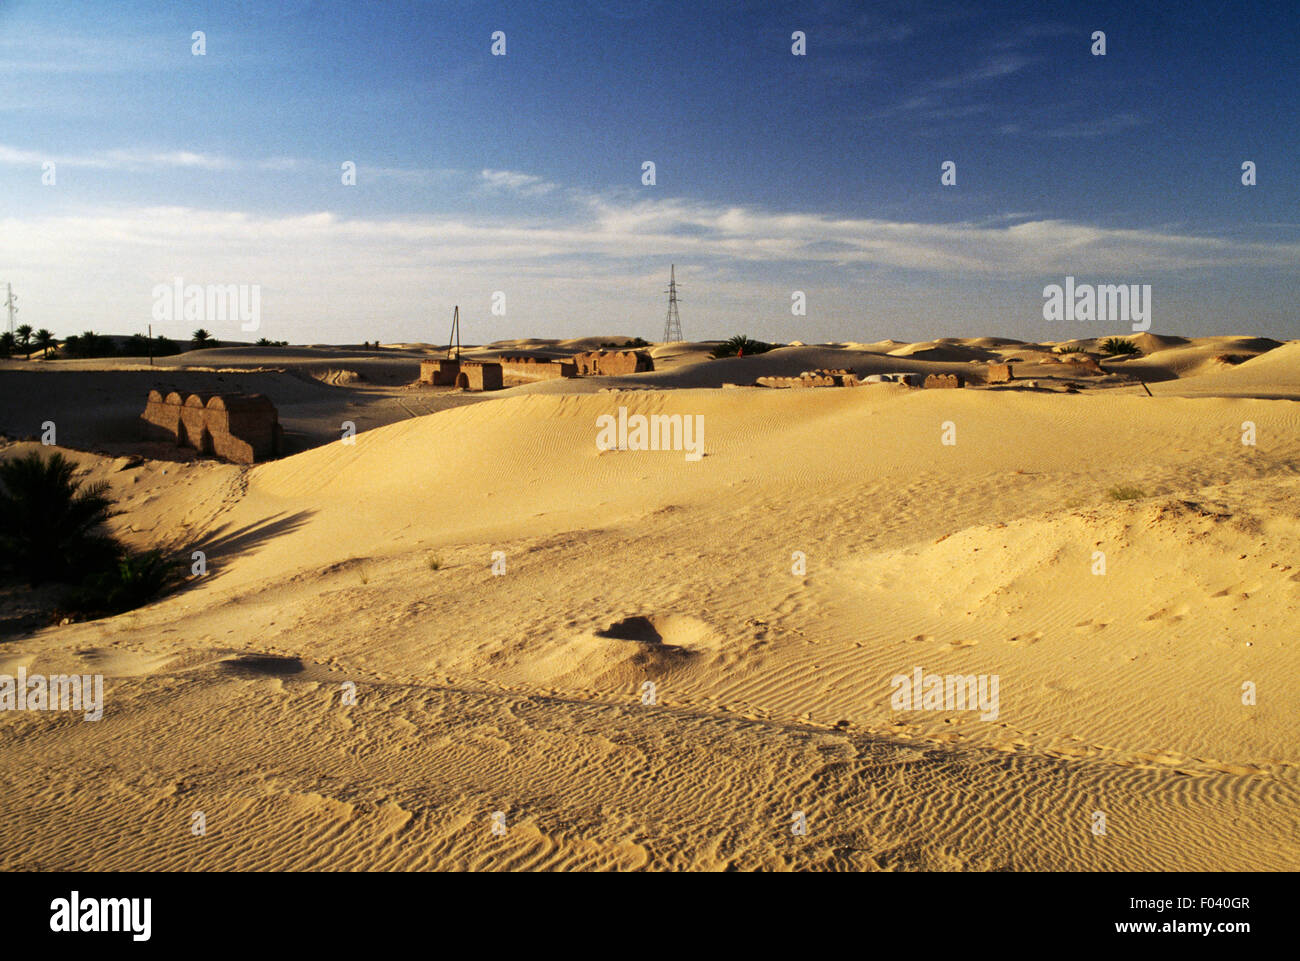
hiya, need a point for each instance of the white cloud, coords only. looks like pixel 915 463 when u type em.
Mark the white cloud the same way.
pixel 120 159
pixel 590 258
pixel 526 185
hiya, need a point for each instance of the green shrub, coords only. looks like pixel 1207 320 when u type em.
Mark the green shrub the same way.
pixel 51 528
pixel 1118 345
pixel 740 345
pixel 134 580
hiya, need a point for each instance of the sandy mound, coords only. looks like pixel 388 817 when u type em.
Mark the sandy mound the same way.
pixel 497 593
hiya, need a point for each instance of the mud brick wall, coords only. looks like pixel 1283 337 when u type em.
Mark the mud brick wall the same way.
pixel 242 428
pixel 537 368
pixel 479 376
pixel 440 373
pixel 609 363
pixel 812 378
pixel 162 416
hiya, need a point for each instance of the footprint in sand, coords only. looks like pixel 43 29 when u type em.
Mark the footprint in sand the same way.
pixel 1033 637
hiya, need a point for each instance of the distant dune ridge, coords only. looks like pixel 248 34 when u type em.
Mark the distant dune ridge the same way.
pixel 650 662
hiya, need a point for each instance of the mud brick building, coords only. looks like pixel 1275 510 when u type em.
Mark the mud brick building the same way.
pixel 608 363
pixel 999 374
pixel 240 428
pixel 812 378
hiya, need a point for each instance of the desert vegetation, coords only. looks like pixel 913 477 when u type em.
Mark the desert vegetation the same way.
pixel 53 529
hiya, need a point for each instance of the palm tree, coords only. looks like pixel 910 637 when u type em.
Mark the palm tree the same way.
pixel 6 344
pixel 1118 345
pixel 44 340
pixel 739 346
pixel 24 332
pixel 51 528
pixel 201 338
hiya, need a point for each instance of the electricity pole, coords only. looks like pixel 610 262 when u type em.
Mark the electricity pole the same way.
pixel 454 336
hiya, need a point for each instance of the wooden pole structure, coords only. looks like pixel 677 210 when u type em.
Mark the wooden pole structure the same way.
pixel 454 337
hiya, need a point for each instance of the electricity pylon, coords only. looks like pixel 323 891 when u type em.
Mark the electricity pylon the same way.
pixel 673 325
pixel 11 305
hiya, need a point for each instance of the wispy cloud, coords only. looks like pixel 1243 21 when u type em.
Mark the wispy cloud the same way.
pixel 120 159
pixel 526 185
pixel 581 263
pixel 938 98
pixel 1075 129
pixel 135 160
pixel 615 228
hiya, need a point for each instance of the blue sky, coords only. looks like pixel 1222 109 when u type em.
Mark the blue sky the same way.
pixel 774 172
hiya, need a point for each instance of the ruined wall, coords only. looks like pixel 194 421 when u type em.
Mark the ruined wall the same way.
pixel 943 381
pixel 999 374
pixel 1082 363
pixel 162 416
pixel 479 376
pixel 837 377
pixel 610 363
pixel 440 373
pixel 242 428
pixel 898 377
pixel 537 368
pixel 194 429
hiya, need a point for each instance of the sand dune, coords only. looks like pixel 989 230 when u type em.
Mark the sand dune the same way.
pixel 372 563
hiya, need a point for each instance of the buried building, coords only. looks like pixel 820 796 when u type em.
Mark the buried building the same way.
pixel 837 377
pixel 895 377
pixel 999 374
pixel 465 374
pixel 241 428
pixel 530 368
pixel 491 374
pixel 440 373
pixel 607 363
